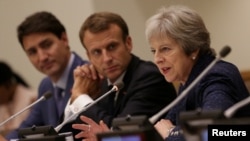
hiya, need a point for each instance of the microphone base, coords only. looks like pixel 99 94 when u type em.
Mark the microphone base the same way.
pixel 47 138
pixel 43 133
pixel 132 128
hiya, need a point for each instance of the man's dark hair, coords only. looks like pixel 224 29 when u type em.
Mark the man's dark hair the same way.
pixel 40 22
pixel 100 21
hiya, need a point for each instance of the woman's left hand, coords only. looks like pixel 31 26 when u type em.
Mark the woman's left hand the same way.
pixel 164 127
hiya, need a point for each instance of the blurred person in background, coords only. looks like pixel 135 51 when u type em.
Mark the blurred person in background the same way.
pixel 15 94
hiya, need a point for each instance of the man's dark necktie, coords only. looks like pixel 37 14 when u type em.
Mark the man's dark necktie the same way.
pixel 59 100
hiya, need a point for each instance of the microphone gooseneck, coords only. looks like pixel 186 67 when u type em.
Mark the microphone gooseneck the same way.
pixel 224 52
pixel 230 111
pixel 46 96
pixel 115 88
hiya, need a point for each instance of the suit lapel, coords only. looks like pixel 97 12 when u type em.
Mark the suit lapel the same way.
pixel 122 96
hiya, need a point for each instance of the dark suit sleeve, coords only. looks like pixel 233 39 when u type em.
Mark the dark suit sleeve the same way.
pixel 148 94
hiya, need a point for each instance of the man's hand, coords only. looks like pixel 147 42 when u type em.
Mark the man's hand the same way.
pixel 90 129
pixel 86 81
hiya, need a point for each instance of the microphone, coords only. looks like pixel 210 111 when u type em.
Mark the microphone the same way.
pixel 115 88
pixel 231 110
pixel 45 96
pixel 224 52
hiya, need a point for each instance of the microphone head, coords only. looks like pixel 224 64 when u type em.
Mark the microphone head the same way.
pixel 47 95
pixel 119 85
pixel 225 51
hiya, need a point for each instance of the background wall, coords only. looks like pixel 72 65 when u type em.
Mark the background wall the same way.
pixel 227 20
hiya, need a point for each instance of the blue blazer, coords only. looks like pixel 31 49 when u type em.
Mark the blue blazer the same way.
pixel 45 112
pixel 219 89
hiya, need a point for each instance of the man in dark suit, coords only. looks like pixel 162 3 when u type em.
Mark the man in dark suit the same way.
pixel 44 40
pixel 108 44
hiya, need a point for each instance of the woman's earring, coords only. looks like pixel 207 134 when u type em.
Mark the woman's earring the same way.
pixel 193 58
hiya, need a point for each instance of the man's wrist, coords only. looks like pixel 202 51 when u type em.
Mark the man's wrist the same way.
pixel 73 97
